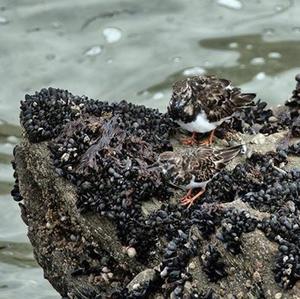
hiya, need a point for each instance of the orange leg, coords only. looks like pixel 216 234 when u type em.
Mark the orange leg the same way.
pixel 211 136
pixel 186 197
pixel 190 141
pixel 209 139
pixel 188 200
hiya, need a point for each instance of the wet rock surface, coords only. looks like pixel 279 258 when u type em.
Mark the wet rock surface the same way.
pixel 105 225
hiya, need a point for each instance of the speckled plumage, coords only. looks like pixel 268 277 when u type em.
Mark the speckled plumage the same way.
pixel 194 167
pixel 212 98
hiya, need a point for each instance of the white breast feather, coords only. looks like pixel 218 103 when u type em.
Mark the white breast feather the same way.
pixel 200 124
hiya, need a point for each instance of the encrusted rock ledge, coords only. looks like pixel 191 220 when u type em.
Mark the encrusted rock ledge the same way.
pixel 62 238
pixel 60 235
pixel 94 239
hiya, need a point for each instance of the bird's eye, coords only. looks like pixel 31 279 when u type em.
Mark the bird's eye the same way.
pixel 187 91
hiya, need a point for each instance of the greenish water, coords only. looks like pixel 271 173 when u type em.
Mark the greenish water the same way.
pixel 128 50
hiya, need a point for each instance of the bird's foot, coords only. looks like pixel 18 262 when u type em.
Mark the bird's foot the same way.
pixel 186 197
pixel 209 139
pixel 190 141
pixel 205 142
pixel 189 200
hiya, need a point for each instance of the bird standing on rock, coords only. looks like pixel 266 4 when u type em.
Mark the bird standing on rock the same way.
pixel 201 103
pixel 193 168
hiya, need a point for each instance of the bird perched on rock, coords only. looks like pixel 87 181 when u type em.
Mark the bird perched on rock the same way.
pixel 201 103
pixel 193 168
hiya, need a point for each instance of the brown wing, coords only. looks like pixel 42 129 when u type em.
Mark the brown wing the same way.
pixel 223 156
pixel 228 104
pixel 204 162
pixel 199 163
pixel 217 98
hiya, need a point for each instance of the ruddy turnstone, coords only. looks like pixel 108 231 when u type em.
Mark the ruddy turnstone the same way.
pixel 201 103
pixel 193 168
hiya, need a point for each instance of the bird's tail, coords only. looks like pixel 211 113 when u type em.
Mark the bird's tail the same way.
pixel 230 153
pixel 243 99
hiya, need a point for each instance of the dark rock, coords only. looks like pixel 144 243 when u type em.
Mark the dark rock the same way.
pixel 84 192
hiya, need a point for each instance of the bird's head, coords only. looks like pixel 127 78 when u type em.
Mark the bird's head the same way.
pixel 181 100
pixel 168 161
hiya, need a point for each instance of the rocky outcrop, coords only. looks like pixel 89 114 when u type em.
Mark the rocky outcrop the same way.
pixel 240 241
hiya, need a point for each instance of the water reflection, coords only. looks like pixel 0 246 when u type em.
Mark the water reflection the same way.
pixel 109 14
pixel 256 55
pixel 19 254
pixel 5 187
pixel 7 129
pixel 112 49
pixel 259 51
pixel 5 158
pixel 9 137
pixel 16 283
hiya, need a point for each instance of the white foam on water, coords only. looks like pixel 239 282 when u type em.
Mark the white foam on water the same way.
pixel 96 50
pixel 56 25
pixel 197 70
pixel 234 4
pixel 158 96
pixel 112 34
pixel 279 8
pixel 233 45
pixel 3 20
pixel 274 55
pixel 269 31
pixel 260 76
pixel 176 59
pixel 257 61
